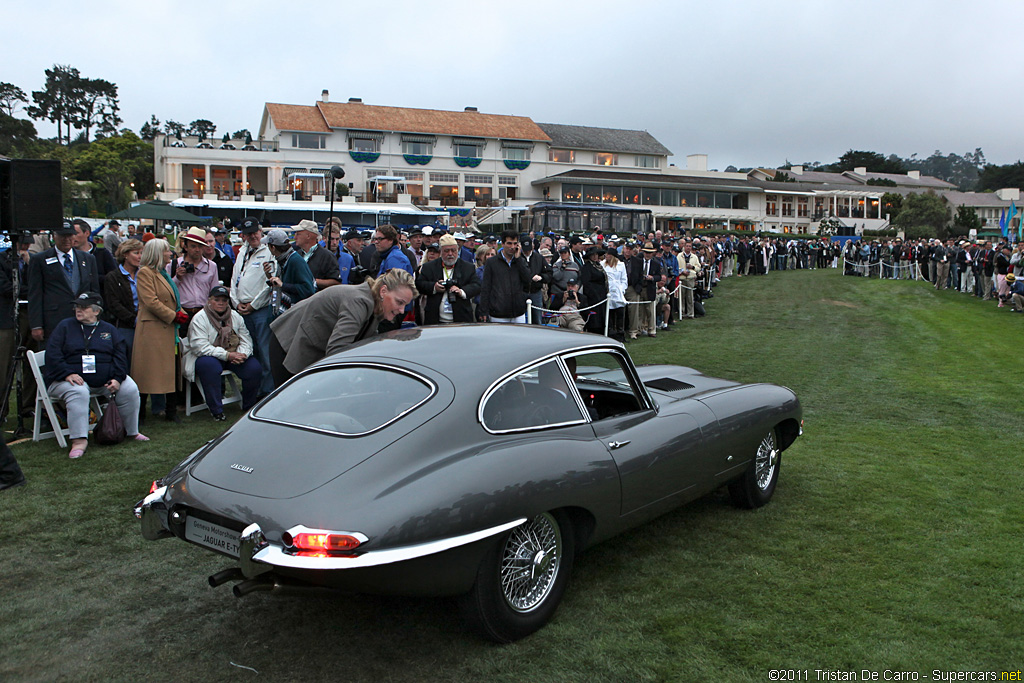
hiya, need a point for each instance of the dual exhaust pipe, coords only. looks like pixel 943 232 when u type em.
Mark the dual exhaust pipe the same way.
pixel 245 586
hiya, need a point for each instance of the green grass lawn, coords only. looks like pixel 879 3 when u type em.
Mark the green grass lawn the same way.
pixel 893 541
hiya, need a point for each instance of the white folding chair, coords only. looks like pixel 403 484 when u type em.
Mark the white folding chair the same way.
pixel 36 362
pixel 236 396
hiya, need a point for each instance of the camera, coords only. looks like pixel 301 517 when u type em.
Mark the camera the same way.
pixel 189 267
pixel 357 275
pixel 448 284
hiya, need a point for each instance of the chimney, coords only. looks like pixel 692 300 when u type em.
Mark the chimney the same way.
pixel 355 100
pixel 472 109
pixel 916 175
pixel 861 170
pixel 697 162
pixel 1009 193
pixel 325 96
pixel 796 170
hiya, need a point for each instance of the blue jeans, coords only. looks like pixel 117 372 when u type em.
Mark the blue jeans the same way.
pixel 258 324
pixel 208 370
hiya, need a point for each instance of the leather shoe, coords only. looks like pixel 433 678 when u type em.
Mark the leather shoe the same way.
pixel 173 417
pixel 20 481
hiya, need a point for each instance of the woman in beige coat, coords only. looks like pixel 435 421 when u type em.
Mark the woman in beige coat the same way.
pixel 154 360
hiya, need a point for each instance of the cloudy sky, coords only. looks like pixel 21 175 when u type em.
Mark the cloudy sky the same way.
pixel 746 82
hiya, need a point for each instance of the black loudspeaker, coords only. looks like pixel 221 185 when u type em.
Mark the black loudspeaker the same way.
pixel 30 195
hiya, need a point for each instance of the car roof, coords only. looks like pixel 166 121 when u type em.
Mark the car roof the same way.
pixel 452 350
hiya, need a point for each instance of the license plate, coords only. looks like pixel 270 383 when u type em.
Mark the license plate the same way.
pixel 212 536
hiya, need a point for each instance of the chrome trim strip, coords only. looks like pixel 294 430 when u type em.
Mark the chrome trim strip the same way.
pixel 333 366
pixel 275 555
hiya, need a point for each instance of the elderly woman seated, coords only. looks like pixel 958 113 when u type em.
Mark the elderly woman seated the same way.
pixel 217 341
pixel 85 357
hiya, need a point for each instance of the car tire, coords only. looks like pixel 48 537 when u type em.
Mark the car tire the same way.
pixel 522 579
pixel 756 486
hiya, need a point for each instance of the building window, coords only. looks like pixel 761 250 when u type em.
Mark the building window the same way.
pixel 507 180
pixel 592 193
pixel 611 194
pixel 515 153
pixel 562 156
pixel 787 206
pixel 448 178
pixel 309 141
pixel 705 200
pixel 801 207
pixel 631 195
pixel 771 205
pixel 647 161
pixel 651 196
pixel 606 159
pixel 363 145
pixel 687 198
pixel 424 149
pixel 477 179
pixel 739 200
pixel 468 151
pixel 571 192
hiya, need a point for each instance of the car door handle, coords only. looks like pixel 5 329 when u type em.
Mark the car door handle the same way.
pixel 616 444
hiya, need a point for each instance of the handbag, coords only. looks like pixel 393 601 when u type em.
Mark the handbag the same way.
pixel 110 429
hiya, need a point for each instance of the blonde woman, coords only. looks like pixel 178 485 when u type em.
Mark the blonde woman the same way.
pixel 333 318
pixel 155 355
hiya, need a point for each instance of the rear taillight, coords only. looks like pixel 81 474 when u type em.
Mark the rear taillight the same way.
pixel 321 544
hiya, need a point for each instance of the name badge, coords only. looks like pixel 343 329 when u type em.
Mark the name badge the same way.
pixel 51 260
pixel 88 364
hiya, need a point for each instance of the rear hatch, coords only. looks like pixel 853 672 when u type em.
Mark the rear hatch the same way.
pixel 297 441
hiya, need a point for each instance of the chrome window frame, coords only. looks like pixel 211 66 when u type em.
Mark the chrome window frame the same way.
pixel 560 357
pixel 334 366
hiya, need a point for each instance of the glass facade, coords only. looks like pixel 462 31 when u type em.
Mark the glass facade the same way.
pixel 653 196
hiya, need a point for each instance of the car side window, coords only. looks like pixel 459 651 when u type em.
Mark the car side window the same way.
pixel 605 384
pixel 535 397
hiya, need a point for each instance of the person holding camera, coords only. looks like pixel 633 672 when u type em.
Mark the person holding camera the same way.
pixel 449 284
pixel 569 303
pixel 289 274
pixel 194 274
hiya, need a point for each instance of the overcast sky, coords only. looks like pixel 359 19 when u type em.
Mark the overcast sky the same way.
pixel 750 83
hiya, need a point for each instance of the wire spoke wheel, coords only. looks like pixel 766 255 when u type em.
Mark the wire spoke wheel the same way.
pixel 765 461
pixel 530 563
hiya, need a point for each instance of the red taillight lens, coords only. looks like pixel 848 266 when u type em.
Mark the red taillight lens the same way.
pixel 321 544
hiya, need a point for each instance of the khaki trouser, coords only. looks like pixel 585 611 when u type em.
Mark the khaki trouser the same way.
pixel 941 274
pixel 686 292
pixel 648 318
pixel 632 311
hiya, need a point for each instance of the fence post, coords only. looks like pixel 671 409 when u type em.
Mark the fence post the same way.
pixel 529 310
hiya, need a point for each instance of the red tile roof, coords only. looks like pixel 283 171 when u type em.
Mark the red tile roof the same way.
pixel 298 117
pixel 356 116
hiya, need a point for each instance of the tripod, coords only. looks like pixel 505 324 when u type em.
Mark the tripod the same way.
pixel 14 373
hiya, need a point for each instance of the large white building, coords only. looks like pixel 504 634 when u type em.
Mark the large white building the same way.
pixel 476 166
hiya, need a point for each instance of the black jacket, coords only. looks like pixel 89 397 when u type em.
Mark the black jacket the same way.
pixel 502 292
pixel 67 344
pixel 49 294
pixel 7 287
pixel 648 289
pixel 538 265
pixel 119 306
pixel 465 278
pixel 323 264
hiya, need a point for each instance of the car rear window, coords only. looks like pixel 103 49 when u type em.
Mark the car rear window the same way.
pixel 349 400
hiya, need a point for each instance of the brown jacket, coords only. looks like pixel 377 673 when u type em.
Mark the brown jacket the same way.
pixel 154 366
pixel 324 324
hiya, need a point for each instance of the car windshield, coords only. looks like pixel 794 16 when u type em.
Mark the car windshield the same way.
pixel 349 400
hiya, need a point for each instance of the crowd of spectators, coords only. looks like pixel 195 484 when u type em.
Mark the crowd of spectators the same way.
pixel 982 269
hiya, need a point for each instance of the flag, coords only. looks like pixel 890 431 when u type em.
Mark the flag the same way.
pixel 1002 222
